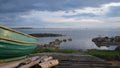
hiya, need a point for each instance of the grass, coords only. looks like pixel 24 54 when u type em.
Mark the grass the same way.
pixel 105 54
pixel 58 51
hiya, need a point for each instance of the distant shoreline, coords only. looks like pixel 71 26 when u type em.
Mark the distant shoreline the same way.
pixel 46 35
pixel 24 28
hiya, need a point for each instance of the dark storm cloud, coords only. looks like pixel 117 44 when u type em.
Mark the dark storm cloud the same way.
pixel 11 6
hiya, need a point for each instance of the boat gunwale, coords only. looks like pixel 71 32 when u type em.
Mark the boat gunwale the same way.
pixel 17 41
pixel 17 32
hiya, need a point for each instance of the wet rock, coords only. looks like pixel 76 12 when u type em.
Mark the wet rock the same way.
pixel 106 41
pixel 70 39
pixel 57 40
pixel 64 40
pixel 53 44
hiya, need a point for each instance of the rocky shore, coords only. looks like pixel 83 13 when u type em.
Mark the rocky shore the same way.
pixel 53 44
pixel 107 41
pixel 66 60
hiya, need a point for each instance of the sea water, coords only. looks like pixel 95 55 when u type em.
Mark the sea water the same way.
pixel 81 38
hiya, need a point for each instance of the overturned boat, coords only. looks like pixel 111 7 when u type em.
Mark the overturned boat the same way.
pixel 15 45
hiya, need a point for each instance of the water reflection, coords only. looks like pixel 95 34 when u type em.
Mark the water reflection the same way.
pixel 81 38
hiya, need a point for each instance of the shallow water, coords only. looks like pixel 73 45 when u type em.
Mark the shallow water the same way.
pixel 81 38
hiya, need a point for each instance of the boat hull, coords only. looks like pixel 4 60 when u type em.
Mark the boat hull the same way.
pixel 15 35
pixel 14 44
pixel 11 49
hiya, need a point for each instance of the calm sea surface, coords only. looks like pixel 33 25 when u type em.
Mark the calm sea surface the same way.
pixel 81 38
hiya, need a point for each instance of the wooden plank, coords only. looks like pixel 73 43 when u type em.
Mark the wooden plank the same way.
pixel 11 64
pixel 36 61
pixel 16 63
pixel 49 64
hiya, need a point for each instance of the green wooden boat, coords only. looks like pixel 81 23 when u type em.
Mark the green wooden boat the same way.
pixel 15 45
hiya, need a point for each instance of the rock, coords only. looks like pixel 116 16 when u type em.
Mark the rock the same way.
pixel 64 40
pixel 57 40
pixel 70 39
pixel 106 41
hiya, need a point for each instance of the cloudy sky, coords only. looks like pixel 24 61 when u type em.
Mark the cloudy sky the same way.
pixel 60 13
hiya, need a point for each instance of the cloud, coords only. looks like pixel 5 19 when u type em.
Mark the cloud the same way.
pixel 102 10
pixel 48 19
pixel 68 20
pixel 12 6
pixel 60 13
pixel 80 15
